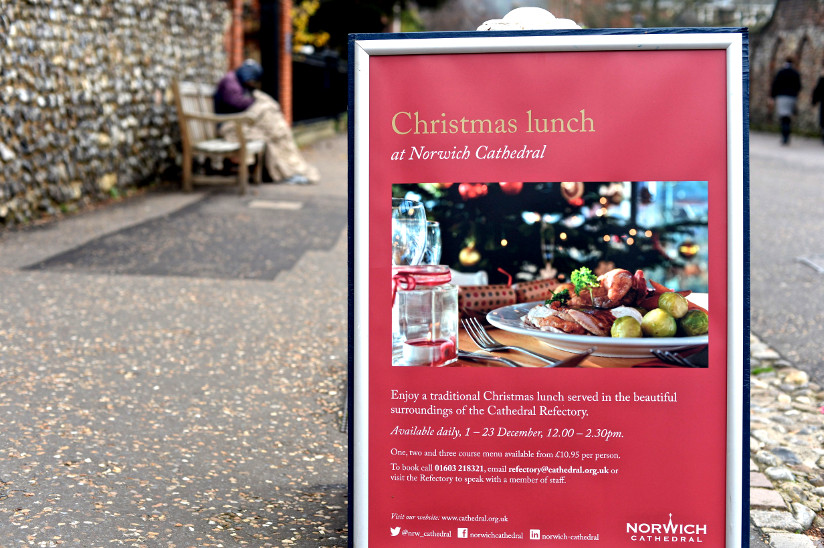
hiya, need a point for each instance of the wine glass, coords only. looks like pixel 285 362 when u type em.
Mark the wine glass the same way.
pixel 432 253
pixel 408 231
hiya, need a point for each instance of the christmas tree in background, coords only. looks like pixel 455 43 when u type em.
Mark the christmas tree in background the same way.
pixel 547 230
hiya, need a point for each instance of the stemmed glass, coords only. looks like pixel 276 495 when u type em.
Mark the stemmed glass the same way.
pixel 408 244
pixel 432 253
pixel 408 231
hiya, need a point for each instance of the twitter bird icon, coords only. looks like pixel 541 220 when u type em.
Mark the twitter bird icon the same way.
pixel 395 531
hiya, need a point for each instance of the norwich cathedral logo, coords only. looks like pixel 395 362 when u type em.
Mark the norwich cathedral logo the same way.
pixel 666 532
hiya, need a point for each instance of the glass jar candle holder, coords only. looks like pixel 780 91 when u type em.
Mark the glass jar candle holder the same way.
pixel 424 316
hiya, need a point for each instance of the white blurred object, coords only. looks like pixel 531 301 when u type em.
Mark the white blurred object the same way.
pixel 529 19
pixel 469 278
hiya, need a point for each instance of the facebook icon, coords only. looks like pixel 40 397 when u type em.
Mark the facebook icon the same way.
pixel 463 532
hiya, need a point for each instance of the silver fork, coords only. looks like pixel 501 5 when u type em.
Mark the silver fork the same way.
pixel 471 356
pixel 571 361
pixel 672 358
pixel 484 341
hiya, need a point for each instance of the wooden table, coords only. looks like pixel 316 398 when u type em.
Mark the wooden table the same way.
pixel 532 343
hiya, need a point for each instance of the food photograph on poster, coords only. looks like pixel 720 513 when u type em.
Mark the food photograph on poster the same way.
pixel 614 270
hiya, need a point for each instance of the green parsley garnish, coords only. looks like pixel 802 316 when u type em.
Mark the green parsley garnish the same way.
pixel 562 297
pixel 583 278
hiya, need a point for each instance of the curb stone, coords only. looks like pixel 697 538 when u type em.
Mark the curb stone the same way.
pixel 786 450
pixel 777 520
pixel 786 540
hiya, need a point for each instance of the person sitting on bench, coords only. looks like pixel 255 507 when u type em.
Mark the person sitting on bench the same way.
pixel 239 91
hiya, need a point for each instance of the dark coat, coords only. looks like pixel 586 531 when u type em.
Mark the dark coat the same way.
pixel 232 96
pixel 818 99
pixel 786 82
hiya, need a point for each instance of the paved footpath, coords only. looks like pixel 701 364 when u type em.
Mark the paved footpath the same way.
pixel 172 370
pixel 786 190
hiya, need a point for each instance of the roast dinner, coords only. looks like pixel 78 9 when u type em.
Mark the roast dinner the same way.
pixel 618 304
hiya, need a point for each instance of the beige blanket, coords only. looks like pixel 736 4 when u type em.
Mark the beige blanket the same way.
pixel 283 159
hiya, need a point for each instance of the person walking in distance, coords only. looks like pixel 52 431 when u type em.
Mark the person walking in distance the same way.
pixel 784 91
pixel 818 99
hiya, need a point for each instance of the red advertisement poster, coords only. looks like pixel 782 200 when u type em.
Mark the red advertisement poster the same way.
pixel 586 196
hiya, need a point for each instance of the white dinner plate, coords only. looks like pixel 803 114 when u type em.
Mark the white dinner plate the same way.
pixel 508 318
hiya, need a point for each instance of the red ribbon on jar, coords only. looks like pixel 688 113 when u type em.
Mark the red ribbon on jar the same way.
pixel 408 278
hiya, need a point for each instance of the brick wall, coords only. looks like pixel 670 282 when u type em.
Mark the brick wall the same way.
pixel 796 29
pixel 85 106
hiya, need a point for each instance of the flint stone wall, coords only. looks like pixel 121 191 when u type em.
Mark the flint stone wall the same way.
pixel 796 29
pixel 86 108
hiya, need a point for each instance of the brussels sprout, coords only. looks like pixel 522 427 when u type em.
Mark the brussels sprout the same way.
pixel 658 323
pixel 694 323
pixel 674 304
pixel 626 326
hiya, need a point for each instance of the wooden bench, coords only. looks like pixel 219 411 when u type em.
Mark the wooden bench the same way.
pixel 200 138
